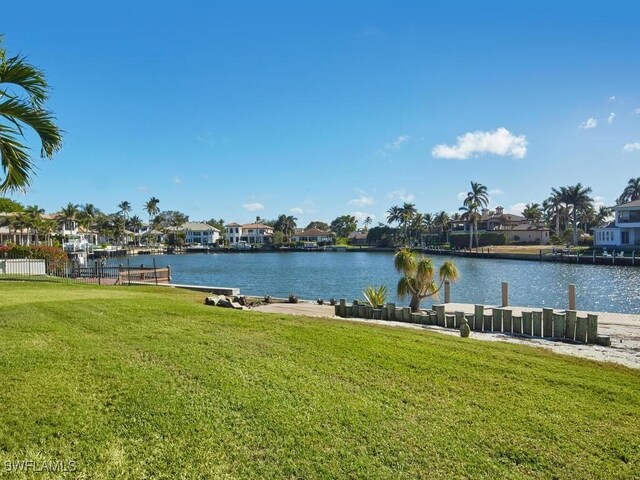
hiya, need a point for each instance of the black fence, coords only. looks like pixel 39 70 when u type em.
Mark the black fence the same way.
pixel 93 271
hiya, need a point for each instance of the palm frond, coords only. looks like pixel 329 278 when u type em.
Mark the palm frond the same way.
pixel 15 161
pixel 17 71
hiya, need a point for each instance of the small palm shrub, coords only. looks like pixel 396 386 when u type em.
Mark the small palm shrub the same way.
pixel 376 296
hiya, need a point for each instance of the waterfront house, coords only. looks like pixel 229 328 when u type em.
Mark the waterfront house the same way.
pixel 358 238
pixel 516 227
pixel 199 233
pixel 623 231
pixel 248 234
pixel 313 235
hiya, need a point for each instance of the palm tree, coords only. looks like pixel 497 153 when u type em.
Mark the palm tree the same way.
pixel 151 207
pixel 441 221
pixel 68 215
pixel 23 93
pixel 20 222
pixel 631 191
pixel 367 221
pixel 135 224
pixel 479 197
pixel 34 219
pixel 533 212
pixel 577 197
pixel 470 215
pixel 554 207
pixel 125 209
pixel 418 276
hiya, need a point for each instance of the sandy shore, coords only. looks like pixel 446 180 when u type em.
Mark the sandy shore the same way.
pixel 624 330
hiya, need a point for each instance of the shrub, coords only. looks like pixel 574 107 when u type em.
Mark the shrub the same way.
pixel 53 255
pixel 376 296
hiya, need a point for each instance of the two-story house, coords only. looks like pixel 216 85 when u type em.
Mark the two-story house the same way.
pixel 622 232
pixel 248 234
pixel 199 233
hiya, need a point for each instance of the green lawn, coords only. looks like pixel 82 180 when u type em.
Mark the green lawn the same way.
pixel 139 382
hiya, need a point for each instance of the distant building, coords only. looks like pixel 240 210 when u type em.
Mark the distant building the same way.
pixel 313 235
pixel 358 238
pixel 248 233
pixel 199 233
pixel 623 231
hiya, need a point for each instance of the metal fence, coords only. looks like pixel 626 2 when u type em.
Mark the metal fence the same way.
pixel 97 272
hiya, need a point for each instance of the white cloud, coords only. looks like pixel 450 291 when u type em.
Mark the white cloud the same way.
pixel 461 196
pixel 473 144
pixel 598 202
pixel 360 216
pixel 632 147
pixel 296 210
pixel 361 201
pixel 516 209
pixel 589 123
pixel 637 110
pixel 401 194
pixel 495 191
pixel 141 188
pixel 610 118
pixel 253 207
pixel 177 180
pixel 612 98
pixel 398 142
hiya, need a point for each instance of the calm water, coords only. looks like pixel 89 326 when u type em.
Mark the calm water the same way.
pixel 344 275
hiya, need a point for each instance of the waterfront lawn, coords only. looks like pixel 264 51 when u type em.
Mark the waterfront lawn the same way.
pixel 143 382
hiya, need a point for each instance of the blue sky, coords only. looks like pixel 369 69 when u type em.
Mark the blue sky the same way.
pixel 261 108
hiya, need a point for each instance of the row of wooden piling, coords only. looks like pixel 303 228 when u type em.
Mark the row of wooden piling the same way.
pixel 565 325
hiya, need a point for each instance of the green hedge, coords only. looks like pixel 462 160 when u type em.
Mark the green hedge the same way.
pixel 461 240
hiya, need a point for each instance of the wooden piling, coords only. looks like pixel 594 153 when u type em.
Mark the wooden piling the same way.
pixel 398 316
pixel 572 296
pixel 517 324
pixel 391 311
pixel 496 322
pixel 459 319
pixel 570 325
pixel 558 325
pixel 478 317
pixel 343 307
pixel 347 311
pixel 537 324
pixel 486 323
pixel 592 328
pixel 440 314
pixel 505 294
pixel 527 323
pixel 377 314
pixel 507 321
pixel 447 291
pixel 406 314
pixel 581 329
pixel 450 319
pixel 547 322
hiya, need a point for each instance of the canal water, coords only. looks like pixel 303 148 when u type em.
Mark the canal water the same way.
pixel 312 275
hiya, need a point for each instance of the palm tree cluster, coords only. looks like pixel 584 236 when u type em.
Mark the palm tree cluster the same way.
pixel 412 225
pixel 287 225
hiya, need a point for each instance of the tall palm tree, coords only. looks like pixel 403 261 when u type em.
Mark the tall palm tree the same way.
pixel 478 197
pixel 135 225
pixel 631 191
pixel 20 222
pixel 367 221
pixel 24 92
pixel 554 207
pixel 125 209
pixel 577 198
pixel 470 215
pixel 533 212
pixel 418 276
pixel 151 207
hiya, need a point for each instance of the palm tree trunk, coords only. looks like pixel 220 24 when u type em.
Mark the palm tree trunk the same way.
pixel 415 303
pixel 575 228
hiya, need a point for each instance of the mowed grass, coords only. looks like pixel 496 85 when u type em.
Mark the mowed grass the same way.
pixel 143 382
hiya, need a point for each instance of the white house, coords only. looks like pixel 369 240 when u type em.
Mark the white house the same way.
pixel 199 233
pixel 624 231
pixel 313 235
pixel 248 233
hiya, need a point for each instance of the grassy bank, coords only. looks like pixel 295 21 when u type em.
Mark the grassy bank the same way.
pixel 137 381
